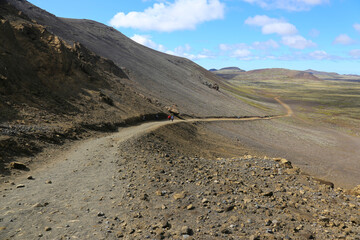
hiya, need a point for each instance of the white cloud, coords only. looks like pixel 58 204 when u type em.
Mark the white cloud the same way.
pixel 288 31
pixel 187 52
pixel 297 41
pixel 224 47
pixel 241 53
pixel 261 20
pixel 168 17
pixel 272 25
pixel 319 55
pixel 344 40
pixel 180 51
pixel 281 28
pixel 146 41
pixel 355 53
pixel 290 5
pixel 357 27
pixel 240 50
pixel 265 45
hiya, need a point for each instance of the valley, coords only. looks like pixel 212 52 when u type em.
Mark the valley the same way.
pixel 87 152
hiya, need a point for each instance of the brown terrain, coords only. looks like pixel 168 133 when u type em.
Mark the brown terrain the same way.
pixel 85 152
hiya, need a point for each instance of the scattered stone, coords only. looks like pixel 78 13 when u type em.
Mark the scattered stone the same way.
pixel 165 224
pixel 225 230
pixel 190 207
pixel 180 195
pixel 159 193
pixel 20 186
pixel 18 165
pixel 48 182
pixel 145 197
pixel 268 194
pixel 205 200
pixel 37 205
pixel 185 230
pixel 229 208
pixel 119 234
pixel 48 229
pixel 30 177
pixel 101 214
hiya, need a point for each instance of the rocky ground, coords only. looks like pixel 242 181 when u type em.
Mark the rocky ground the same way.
pixel 147 187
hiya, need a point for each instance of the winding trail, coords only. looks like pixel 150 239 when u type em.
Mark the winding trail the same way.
pixel 70 190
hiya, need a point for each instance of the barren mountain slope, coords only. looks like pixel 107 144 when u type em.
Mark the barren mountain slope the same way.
pixel 172 80
pixel 50 90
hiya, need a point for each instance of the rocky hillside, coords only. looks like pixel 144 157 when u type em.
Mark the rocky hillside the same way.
pixel 50 90
pixel 243 197
pixel 170 79
pixel 149 187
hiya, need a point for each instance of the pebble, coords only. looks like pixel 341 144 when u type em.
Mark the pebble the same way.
pixel 190 207
pixel 180 195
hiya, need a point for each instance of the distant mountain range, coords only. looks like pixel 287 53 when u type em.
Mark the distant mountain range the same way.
pixel 281 73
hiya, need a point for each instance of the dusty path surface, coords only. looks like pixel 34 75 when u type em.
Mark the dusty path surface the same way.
pixel 74 184
pixel 78 195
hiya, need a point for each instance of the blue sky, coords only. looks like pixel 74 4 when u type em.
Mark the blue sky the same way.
pixel 250 34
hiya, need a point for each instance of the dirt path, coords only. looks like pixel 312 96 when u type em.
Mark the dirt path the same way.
pixel 62 192
pixel 74 189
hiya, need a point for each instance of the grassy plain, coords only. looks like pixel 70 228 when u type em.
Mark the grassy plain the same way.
pixel 335 102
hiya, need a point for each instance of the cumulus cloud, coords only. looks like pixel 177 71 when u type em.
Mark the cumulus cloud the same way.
pixel 186 52
pixel 271 25
pixel 281 28
pixel 343 39
pixel 241 53
pixel 261 20
pixel 297 41
pixel 270 44
pixel 357 27
pixel 290 5
pixel 240 50
pixel 355 53
pixel 319 55
pixel 180 51
pixel 286 30
pixel 168 17
pixel 146 41
pixel 245 51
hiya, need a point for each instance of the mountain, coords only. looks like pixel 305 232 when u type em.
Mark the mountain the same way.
pixel 43 75
pixel 228 72
pixel 232 69
pixel 268 73
pixel 335 76
pixel 169 79
pixel 61 78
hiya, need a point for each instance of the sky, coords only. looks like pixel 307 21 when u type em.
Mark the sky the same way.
pixel 323 35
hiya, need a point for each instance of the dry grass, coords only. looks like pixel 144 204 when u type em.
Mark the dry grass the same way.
pixel 332 102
